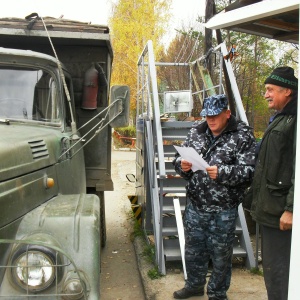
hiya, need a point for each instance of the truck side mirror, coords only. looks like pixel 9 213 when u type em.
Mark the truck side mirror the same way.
pixel 120 101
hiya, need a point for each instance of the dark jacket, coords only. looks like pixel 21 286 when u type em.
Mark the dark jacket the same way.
pixel 233 151
pixel 272 191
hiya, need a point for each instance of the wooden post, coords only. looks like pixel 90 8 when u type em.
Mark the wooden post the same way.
pixel 209 9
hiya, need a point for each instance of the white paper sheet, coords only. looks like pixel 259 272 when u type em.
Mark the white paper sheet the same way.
pixel 191 155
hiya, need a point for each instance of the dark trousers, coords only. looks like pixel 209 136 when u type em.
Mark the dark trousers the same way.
pixel 276 248
pixel 209 236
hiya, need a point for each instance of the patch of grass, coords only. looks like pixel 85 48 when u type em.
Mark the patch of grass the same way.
pixel 129 131
pixel 154 273
pixel 149 253
pixel 137 229
pixel 257 271
pixel 148 249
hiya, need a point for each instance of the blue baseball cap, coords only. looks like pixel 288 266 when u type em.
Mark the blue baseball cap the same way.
pixel 213 105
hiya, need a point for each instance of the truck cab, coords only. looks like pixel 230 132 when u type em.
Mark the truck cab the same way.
pixel 55 126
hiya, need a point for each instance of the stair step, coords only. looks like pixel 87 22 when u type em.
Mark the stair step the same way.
pixel 173 181
pixel 172 249
pixel 168 209
pixel 238 230
pixel 174 254
pixel 169 231
pixel 172 230
pixel 169 168
pixel 170 171
pixel 168 199
pixel 174 137
pixel 173 189
pixel 239 252
pixel 177 124
pixel 169 154
pixel 174 133
pixel 169 151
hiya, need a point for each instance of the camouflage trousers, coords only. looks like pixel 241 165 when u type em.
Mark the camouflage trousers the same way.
pixel 209 236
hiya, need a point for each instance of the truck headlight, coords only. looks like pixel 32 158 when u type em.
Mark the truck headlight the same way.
pixel 33 269
pixel 74 286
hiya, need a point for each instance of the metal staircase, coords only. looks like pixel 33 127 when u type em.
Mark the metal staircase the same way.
pixel 157 182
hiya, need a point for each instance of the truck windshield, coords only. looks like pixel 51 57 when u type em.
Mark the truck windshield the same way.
pixel 28 94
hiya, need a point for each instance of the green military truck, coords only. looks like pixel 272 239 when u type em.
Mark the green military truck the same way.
pixel 56 114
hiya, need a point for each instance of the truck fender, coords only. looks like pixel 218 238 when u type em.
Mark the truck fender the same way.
pixel 68 225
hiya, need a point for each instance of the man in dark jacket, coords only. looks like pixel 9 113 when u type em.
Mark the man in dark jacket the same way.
pixel 228 146
pixel 272 191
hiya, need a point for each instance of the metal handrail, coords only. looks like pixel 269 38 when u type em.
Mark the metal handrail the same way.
pixel 155 103
pixel 154 132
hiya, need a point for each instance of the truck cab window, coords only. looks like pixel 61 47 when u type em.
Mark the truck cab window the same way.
pixel 28 94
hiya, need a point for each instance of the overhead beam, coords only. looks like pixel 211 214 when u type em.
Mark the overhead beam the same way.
pixel 251 13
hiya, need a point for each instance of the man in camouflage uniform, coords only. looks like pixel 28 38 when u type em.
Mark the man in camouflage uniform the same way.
pixel 228 146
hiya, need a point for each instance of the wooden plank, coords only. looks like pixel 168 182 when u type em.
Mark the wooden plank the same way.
pixel 180 233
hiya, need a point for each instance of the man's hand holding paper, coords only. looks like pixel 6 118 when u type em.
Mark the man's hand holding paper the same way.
pixel 190 155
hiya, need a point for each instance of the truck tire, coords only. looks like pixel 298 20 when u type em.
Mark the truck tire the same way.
pixel 102 219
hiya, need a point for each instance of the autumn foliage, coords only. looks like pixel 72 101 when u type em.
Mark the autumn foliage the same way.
pixel 132 24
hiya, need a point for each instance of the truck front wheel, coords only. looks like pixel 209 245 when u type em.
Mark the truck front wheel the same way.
pixel 102 219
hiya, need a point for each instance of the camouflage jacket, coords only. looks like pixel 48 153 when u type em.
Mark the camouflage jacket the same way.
pixel 233 152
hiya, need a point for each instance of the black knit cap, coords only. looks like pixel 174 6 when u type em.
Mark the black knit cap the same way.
pixel 283 76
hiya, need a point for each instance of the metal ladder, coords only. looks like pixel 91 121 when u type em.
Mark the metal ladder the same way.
pixel 157 182
pixel 174 186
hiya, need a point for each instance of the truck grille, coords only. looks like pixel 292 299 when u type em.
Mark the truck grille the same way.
pixel 39 149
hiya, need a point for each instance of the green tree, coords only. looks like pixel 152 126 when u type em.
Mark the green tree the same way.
pixel 132 24
pixel 258 56
pixel 288 54
pixel 251 67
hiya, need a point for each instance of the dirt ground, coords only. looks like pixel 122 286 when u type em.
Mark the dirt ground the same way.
pixel 244 284
pixel 120 276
